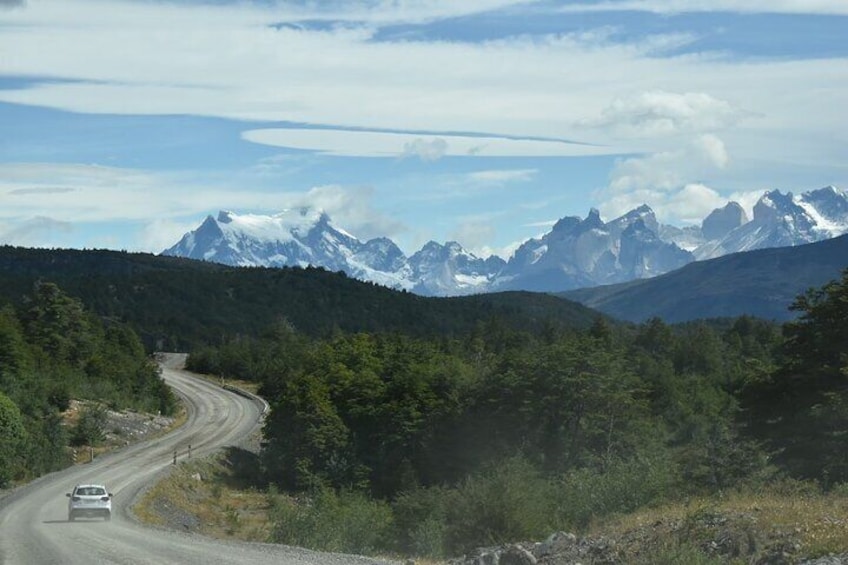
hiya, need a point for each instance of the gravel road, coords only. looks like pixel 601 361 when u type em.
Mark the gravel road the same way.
pixel 33 519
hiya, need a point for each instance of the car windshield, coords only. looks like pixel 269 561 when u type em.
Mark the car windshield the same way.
pixel 90 491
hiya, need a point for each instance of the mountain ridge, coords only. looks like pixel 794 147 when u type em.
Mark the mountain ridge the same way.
pixel 762 283
pixel 575 253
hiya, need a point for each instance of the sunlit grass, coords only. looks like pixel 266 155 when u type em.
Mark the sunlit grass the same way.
pixel 196 496
pixel 792 519
pixel 798 520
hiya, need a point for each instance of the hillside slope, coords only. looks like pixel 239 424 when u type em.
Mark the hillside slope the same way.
pixel 178 303
pixel 760 283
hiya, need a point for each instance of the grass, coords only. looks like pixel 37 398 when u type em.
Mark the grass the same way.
pixel 783 522
pixel 204 496
pixel 738 527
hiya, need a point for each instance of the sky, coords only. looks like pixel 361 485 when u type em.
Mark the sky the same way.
pixel 124 123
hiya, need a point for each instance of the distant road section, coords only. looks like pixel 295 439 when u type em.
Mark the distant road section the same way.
pixel 33 520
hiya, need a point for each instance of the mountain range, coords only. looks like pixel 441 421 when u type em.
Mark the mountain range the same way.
pixel 762 283
pixel 576 253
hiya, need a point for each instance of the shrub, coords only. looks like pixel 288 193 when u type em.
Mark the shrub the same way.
pixel 508 502
pixel 329 521
pixel 90 427
pixel 420 522
pixel 623 486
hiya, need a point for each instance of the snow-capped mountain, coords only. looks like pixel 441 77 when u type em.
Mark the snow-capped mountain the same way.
pixel 307 237
pixel 444 270
pixel 781 220
pixel 575 253
pixel 578 253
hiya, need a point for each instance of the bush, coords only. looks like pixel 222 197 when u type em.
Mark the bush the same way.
pixel 421 522
pixel 12 437
pixel 508 502
pixel 624 486
pixel 90 427
pixel 345 522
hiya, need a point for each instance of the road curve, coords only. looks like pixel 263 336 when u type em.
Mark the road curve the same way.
pixel 33 520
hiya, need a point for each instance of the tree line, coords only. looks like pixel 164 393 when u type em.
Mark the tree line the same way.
pixel 447 439
pixel 53 350
pixel 177 304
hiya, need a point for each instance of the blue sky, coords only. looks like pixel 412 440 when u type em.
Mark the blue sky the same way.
pixel 123 123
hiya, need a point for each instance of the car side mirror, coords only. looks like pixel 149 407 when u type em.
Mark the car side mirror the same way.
pixel 111 495
pixel 68 494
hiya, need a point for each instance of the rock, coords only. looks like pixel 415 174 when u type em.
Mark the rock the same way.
pixel 829 560
pixel 556 543
pixel 517 555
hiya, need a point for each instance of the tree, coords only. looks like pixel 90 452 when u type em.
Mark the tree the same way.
pixel 307 440
pixel 12 438
pixel 816 343
pixel 801 410
pixel 58 324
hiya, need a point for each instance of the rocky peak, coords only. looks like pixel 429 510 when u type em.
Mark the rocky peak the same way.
pixel 722 221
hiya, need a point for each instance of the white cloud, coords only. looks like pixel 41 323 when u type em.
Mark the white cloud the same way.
pixel 475 235
pixel 163 233
pixel 354 143
pixel 500 177
pixel 94 193
pixel 363 90
pixel 712 149
pixel 671 169
pixel 73 195
pixel 827 7
pixel 351 208
pixel 692 203
pixel 666 182
pixel 684 205
pixel 659 113
pixel 230 61
pixel 431 149
pixel 747 199
pixel 399 11
pixel 37 232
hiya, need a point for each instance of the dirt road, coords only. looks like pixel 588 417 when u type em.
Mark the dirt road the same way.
pixel 33 520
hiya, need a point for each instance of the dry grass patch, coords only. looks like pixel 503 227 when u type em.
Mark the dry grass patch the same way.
pixel 784 523
pixel 204 496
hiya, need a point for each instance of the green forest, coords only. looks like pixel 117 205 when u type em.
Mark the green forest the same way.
pixel 435 445
pixel 53 350
pixel 423 426
pixel 178 304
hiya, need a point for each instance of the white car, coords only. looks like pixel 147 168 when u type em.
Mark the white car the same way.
pixel 89 500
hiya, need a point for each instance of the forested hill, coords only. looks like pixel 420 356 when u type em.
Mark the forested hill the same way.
pixel 761 283
pixel 176 304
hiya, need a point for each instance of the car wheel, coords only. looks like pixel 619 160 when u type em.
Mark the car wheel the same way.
pixel 108 516
pixel 71 517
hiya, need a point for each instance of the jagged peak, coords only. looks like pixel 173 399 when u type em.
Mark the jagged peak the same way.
pixel 643 210
pixel 225 216
pixel 566 224
pixel 773 202
pixel 776 196
pixel 593 219
pixel 827 192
